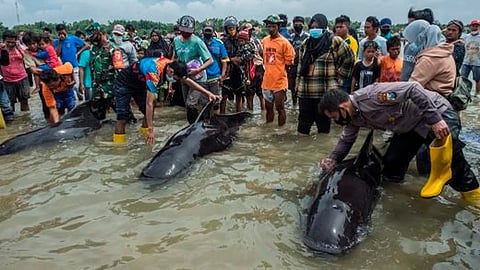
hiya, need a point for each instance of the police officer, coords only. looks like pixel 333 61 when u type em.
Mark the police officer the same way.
pixel 415 115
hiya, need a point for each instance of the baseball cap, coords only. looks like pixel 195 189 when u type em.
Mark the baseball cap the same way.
pixel 208 25
pixel 457 23
pixel 186 24
pixel 298 19
pixel 273 19
pixel 118 29
pixel 92 28
pixel 475 22
pixel 385 22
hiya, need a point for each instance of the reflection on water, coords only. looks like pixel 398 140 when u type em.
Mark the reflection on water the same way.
pixel 80 204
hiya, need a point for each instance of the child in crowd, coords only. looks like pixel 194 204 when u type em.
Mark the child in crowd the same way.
pixel 367 70
pixel 246 52
pixel 391 64
pixel 48 53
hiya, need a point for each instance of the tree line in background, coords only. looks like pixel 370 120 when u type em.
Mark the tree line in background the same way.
pixel 144 27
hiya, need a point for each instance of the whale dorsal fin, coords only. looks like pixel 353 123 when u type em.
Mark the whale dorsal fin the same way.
pixel 364 154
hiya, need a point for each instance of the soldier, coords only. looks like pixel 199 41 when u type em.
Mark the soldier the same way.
pixel 416 116
pixel 101 64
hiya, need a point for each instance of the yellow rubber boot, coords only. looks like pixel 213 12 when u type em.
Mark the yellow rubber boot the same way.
pixel 2 121
pixel 119 138
pixel 143 130
pixel 472 196
pixel 441 152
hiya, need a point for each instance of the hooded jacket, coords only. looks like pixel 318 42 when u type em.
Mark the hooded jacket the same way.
pixel 420 35
pixel 435 69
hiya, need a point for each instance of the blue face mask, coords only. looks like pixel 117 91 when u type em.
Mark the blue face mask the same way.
pixel 316 32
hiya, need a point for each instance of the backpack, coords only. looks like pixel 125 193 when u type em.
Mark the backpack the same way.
pixel 461 95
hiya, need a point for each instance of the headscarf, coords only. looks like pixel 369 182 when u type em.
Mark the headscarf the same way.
pixel 315 47
pixel 423 34
pixel 159 48
pixel 320 19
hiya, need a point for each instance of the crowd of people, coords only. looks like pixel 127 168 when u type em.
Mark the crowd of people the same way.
pixel 329 73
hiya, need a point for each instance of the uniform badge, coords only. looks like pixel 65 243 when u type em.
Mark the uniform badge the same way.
pixel 386 97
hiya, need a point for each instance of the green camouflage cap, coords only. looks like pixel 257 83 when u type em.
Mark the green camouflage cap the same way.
pixel 273 19
pixel 95 26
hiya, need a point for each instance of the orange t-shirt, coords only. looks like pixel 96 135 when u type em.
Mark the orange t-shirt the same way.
pixel 390 69
pixel 277 54
pixel 50 102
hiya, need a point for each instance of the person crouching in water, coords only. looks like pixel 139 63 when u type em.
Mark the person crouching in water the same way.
pixel 57 90
pixel 139 81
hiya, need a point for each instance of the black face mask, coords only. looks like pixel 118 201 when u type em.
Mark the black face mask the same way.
pixel 298 29
pixel 343 121
pixel 208 35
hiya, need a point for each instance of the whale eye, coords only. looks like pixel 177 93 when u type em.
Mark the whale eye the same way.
pixel 336 206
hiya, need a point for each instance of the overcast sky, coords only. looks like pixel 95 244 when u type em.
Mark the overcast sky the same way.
pixel 56 11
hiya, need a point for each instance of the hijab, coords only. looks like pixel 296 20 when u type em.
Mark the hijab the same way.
pixel 314 47
pixel 423 34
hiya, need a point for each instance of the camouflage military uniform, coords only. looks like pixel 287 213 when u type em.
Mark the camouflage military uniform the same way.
pixel 103 73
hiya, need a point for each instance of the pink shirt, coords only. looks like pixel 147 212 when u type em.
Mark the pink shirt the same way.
pixel 16 70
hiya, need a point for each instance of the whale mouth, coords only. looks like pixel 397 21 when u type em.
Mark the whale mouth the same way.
pixel 321 248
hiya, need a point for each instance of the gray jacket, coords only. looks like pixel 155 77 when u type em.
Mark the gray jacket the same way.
pixel 400 107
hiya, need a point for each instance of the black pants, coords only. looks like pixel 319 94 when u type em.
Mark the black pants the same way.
pixel 309 114
pixel 403 148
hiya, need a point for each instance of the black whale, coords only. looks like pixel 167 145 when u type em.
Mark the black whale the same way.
pixel 194 141
pixel 338 217
pixel 76 124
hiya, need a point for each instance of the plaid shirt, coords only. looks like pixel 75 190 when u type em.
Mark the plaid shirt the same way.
pixel 336 64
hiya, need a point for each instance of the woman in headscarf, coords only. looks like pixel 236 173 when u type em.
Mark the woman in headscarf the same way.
pixel 325 60
pixel 158 46
pixel 435 67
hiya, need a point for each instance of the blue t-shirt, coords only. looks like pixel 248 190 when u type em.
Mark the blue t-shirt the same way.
pixel 146 72
pixel 69 49
pixel 219 53
pixel 84 62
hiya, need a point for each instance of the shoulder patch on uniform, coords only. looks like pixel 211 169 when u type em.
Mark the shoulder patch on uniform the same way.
pixel 387 96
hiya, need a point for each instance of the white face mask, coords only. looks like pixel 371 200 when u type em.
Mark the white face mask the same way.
pixel 117 39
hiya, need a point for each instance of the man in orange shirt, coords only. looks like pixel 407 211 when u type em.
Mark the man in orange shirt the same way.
pixel 278 54
pixel 57 89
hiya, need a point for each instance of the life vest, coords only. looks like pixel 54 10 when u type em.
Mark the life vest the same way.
pixel 67 81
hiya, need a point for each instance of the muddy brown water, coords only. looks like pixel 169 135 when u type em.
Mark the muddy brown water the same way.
pixel 80 205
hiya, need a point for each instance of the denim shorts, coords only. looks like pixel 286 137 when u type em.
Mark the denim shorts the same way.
pixel 474 69
pixel 65 100
pixel 123 95
pixel 269 95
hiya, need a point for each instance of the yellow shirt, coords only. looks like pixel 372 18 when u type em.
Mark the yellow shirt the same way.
pixel 352 42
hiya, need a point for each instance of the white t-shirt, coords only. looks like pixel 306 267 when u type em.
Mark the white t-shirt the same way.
pixel 472 50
